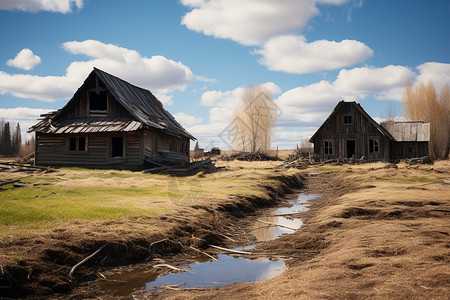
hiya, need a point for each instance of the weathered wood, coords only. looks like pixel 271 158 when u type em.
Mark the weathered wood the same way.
pixel 8 182
pixel 85 260
pixel 231 250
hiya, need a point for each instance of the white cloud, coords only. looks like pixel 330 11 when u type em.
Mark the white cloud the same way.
pixel 438 73
pixel 60 6
pixel 250 22
pixel 311 104
pixel 381 81
pixel 187 120
pixel 159 74
pixel 293 54
pixel 24 115
pixel 25 59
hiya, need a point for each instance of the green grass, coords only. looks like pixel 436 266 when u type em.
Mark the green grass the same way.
pixel 43 205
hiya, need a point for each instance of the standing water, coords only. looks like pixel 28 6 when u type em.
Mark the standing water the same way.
pixel 229 268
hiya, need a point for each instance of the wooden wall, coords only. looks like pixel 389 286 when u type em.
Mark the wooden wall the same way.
pixel 157 144
pixel 52 149
pixel 360 130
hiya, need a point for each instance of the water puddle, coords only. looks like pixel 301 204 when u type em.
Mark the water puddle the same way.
pixel 229 268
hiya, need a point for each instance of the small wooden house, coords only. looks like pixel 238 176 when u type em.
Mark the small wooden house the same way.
pixel 110 123
pixel 350 132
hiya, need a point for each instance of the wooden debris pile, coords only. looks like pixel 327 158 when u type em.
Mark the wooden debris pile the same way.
pixel 12 167
pixel 249 156
pixel 204 166
pixel 419 160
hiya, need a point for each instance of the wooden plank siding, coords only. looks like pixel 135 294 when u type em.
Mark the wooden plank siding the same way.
pixel 157 144
pixel 53 150
pixel 342 133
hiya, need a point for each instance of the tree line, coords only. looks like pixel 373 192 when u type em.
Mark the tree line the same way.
pixel 11 140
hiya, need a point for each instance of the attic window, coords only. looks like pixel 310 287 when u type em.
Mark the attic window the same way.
pixel 348 120
pixel 98 103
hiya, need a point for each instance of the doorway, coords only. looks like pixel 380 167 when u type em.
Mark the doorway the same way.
pixel 351 148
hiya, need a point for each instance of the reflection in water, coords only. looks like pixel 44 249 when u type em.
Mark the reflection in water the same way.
pixel 264 233
pixel 228 269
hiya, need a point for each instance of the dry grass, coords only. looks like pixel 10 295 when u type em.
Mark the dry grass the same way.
pixel 376 233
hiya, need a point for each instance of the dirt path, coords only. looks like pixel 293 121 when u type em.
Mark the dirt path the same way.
pixel 377 232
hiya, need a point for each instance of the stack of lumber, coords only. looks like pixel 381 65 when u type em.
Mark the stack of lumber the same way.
pixel 205 166
pixel 249 156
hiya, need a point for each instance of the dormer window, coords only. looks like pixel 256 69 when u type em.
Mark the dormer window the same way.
pixel 98 103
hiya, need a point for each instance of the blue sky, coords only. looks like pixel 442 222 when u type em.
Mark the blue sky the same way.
pixel 196 56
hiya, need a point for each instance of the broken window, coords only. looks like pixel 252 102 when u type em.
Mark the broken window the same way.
pixel 373 146
pixel 328 147
pixel 117 147
pixel 98 101
pixel 77 144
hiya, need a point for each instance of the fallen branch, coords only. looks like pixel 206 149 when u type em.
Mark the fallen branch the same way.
pixel 170 267
pixel 230 250
pixel 273 224
pixel 160 241
pixel 8 182
pixel 204 253
pixel 227 237
pixel 85 260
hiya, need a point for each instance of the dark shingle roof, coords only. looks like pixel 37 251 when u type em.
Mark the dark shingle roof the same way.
pixel 139 102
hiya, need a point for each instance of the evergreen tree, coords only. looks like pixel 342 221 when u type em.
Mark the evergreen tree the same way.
pixel 5 148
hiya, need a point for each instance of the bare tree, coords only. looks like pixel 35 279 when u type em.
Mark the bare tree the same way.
pixel 304 144
pixel 253 121
pixel 422 103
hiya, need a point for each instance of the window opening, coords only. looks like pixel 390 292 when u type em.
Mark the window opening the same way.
pixel 98 101
pixel 373 146
pixel 328 147
pixel 348 120
pixel 117 147
pixel 77 144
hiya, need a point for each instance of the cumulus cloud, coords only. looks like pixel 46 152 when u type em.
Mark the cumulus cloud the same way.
pixel 24 115
pixel 250 22
pixel 25 59
pixel 438 73
pixel 60 6
pixel 157 73
pixel 293 54
pixel 310 105
pixel 187 120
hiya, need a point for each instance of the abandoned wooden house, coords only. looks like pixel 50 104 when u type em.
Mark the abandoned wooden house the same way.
pixel 110 123
pixel 350 132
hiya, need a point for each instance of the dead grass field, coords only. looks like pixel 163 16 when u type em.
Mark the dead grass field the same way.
pixel 377 232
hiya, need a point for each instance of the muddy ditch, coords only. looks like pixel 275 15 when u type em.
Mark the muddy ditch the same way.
pixel 46 261
pixel 216 266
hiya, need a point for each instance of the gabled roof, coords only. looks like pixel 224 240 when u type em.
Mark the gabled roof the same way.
pixel 139 102
pixel 382 130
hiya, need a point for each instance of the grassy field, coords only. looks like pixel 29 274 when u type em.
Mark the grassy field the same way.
pixel 76 194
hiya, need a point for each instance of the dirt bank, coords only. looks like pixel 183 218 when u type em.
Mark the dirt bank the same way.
pixel 379 231
pixel 40 265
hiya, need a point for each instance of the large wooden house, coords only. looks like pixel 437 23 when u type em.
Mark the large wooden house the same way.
pixel 350 132
pixel 110 123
